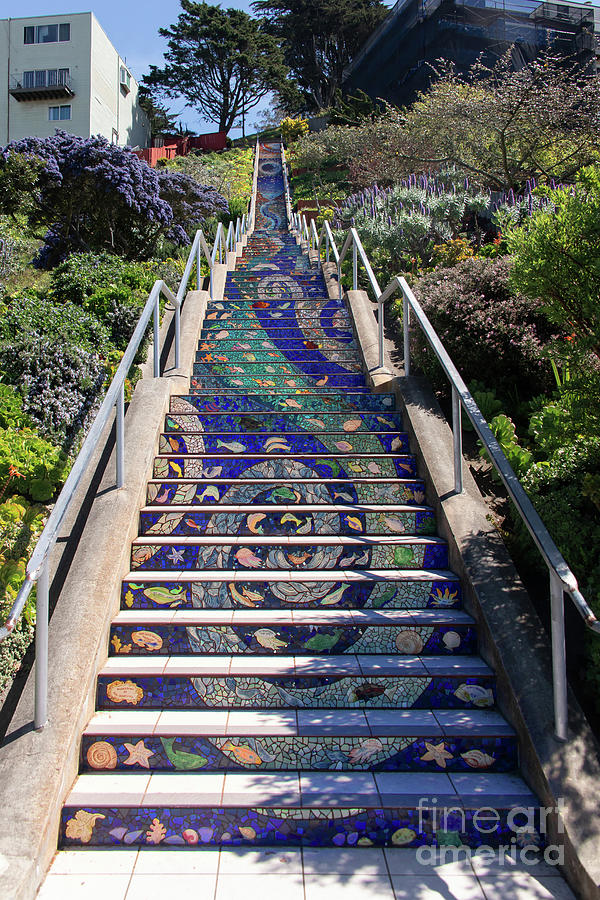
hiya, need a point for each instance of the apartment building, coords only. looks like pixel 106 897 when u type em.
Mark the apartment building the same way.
pixel 63 72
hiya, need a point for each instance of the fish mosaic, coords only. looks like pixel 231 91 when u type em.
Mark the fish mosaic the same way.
pixel 287 561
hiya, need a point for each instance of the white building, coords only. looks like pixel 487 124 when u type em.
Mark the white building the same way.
pixel 63 72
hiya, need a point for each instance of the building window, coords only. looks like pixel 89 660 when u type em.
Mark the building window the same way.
pixel 28 79
pixel 59 113
pixel 125 79
pixel 46 34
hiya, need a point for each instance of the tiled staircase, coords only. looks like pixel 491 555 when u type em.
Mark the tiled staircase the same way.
pixel 291 663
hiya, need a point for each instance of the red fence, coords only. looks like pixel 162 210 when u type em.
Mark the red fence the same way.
pixel 180 145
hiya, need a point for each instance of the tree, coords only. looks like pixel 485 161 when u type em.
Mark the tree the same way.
pixel 503 126
pixel 222 61
pixel 556 259
pixel 319 37
pixel 95 196
pixel 161 120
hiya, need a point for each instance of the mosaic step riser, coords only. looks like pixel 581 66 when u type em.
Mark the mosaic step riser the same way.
pixel 275 368
pixel 281 316
pixel 260 492
pixel 323 402
pixel 173 522
pixel 231 388
pixel 275 304
pixel 170 555
pixel 280 344
pixel 292 402
pixel 438 593
pixel 295 351
pixel 214 443
pixel 306 692
pixel 244 826
pixel 182 640
pixel 406 753
pixel 274 329
pixel 280 357
pixel 276 466
pixel 280 383
pixel 284 422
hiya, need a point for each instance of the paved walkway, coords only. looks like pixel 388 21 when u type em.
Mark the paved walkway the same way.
pixel 307 874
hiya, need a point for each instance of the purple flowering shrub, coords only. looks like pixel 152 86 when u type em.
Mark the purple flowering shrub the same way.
pixel 95 195
pixel 493 335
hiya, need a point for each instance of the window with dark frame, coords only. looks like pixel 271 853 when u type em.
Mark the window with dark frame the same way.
pixel 47 34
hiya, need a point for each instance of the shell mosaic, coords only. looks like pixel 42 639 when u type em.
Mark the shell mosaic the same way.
pixel 257 504
pixel 174 640
pixel 296 692
pixel 268 826
pixel 265 753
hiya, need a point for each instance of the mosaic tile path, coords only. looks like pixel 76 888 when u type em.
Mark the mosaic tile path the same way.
pixel 292 664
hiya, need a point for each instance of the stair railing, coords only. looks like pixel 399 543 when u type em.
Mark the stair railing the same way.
pixel 561 578
pixel 38 567
pixel 252 211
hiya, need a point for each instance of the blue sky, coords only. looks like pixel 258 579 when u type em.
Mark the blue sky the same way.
pixel 132 26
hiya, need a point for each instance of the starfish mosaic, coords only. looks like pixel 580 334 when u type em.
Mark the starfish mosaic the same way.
pixel 437 753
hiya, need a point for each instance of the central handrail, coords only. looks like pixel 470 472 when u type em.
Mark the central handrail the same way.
pixel 562 580
pixel 38 565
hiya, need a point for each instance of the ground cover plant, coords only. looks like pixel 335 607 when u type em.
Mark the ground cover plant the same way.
pixel 104 226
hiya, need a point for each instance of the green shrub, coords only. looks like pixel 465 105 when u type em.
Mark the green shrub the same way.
pixel 67 322
pixel 29 464
pixel 488 330
pixel 561 489
pixel 59 383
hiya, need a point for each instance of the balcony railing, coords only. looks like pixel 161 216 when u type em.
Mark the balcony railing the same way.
pixel 48 84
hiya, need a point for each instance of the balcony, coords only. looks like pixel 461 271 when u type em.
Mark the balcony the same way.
pixel 49 84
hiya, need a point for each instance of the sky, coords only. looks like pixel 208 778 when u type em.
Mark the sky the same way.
pixel 132 27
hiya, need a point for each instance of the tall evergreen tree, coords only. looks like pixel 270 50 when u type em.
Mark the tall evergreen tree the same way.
pixel 319 38
pixel 222 61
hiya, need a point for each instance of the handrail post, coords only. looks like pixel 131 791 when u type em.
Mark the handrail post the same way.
pixel 177 334
pixel 120 433
pixel 198 268
pixel 339 274
pixel 406 334
pixel 157 337
pixel 559 658
pixel 211 280
pixel 326 246
pixel 380 315
pixel 42 617
pixel 457 441
pixel 354 266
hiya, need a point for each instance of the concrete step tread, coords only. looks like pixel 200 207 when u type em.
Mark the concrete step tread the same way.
pixel 368 722
pixel 364 665
pixel 275 508
pixel 296 789
pixel 300 540
pixel 289 617
pixel 318 575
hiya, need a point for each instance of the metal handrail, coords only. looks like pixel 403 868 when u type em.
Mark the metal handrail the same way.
pixel 38 565
pixel 252 211
pixel 562 580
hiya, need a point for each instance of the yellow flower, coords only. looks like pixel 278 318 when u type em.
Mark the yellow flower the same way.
pixel 81 826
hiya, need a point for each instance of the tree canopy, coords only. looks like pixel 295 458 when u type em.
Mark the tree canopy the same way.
pixel 319 38
pixel 222 61
pixel 97 196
